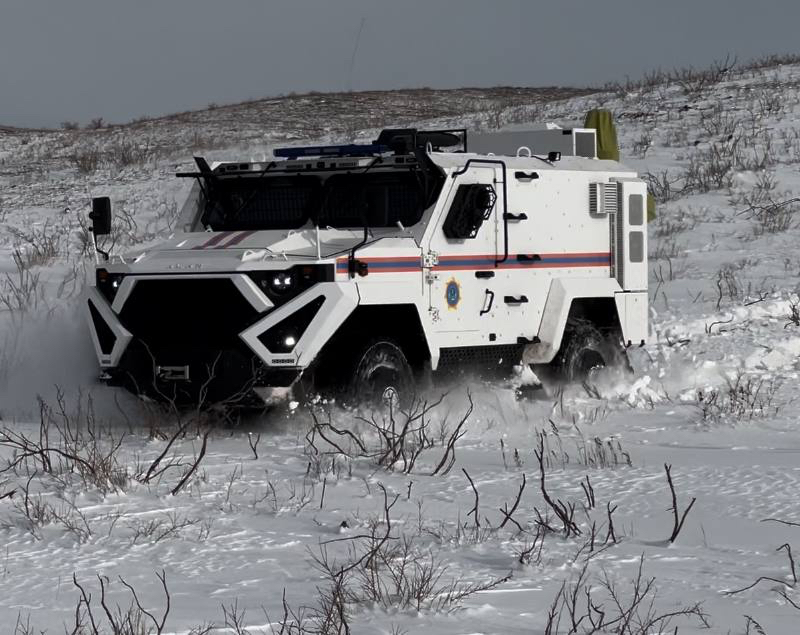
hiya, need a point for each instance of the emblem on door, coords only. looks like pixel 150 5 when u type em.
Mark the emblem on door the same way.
pixel 452 293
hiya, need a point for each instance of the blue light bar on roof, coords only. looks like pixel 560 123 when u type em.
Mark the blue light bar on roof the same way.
pixel 350 150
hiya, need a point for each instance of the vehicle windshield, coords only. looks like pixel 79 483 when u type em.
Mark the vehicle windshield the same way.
pixel 281 201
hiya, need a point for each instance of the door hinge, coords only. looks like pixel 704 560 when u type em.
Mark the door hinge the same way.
pixel 431 259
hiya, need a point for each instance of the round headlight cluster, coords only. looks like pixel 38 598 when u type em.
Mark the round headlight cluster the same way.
pixel 280 282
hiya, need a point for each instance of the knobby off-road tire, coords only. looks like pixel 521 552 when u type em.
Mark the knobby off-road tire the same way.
pixel 585 350
pixel 381 374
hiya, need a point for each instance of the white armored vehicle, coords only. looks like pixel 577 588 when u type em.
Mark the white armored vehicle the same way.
pixel 367 268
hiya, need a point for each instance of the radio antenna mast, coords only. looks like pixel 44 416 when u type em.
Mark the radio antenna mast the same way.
pixel 353 58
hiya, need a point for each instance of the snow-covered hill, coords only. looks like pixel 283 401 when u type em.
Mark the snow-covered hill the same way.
pixel 259 532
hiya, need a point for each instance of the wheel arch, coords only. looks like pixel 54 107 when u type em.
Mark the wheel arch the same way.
pixel 590 299
pixel 399 322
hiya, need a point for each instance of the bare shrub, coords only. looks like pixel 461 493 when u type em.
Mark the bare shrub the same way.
pixel 711 168
pixel 68 442
pixel 602 453
pixel 695 83
pixel 743 398
pixel 38 510
pixel 36 245
pixel 91 619
pixel 663 186
pixel 769 103
pixel 729 285
pixel 667 248
pixel 86 160
pixel 772 60
pixel 394 441
pixel 169 525
pixel 794 313
pixel 589 606
pixel 22 291
pixel 96 124
pixel 674 221
pixel 678 518
pixel 642 145
pixel 771 217
pixel 70 125
pixel 379 568
pixel 126 153
pixel 720 121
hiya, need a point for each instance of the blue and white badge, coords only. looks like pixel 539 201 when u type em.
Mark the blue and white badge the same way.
pixel 452 293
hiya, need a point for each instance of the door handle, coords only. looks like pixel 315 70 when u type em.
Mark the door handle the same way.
pixel 490 295
pixel 515 217
pixel 528 257
pixel 526 176
pixel 484 274
pixel 510 299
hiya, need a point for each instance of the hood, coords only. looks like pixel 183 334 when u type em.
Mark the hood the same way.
pixel 228 251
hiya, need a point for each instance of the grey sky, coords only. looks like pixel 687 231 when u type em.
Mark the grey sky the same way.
pixel 79 59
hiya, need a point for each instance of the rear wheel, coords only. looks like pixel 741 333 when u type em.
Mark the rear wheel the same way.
pixel 382 375
pixel 586 350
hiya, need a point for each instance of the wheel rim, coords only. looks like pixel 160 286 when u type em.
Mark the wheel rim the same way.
pixel 382 376
pixel 391 397
pixel 587 365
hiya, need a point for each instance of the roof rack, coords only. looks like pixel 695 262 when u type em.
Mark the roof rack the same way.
pixel 348 150
pixel 405 140
pixel 395 140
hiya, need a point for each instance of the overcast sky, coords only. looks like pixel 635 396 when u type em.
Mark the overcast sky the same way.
pixel 120 59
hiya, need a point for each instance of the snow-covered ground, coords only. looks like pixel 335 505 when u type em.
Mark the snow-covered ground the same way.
pixel 272 503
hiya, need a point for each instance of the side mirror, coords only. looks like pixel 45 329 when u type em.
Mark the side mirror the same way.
pixel 101 216
pixel 553 156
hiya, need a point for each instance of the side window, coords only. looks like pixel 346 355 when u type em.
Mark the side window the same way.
pixel 472 204
pixel 635 209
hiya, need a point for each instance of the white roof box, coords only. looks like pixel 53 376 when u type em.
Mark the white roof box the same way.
pixel 570 142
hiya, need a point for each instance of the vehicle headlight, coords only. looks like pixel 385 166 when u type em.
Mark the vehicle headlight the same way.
pixel 108 283
pixel 283 285
pixel 280 282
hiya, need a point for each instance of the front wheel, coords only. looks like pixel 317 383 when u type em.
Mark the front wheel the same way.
pixel 382 375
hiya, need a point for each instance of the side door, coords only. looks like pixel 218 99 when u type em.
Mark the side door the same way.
pixel 533 256
pixel 464 305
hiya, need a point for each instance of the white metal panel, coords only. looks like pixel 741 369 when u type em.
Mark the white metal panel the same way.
pixel 559 300
pixel 455 297
pixel 340 301
pixel 631 236
pixel 122 335
pixel 632 309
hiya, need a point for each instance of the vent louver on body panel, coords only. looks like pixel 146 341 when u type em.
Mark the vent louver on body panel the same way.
pixel 603 198
pixel 616 227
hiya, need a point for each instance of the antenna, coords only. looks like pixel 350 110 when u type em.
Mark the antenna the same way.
pixel 353 58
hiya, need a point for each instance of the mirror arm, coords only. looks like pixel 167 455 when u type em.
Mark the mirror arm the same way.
pixel 97 249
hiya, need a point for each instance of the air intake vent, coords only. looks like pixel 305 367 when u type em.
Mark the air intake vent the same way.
pixel 603 198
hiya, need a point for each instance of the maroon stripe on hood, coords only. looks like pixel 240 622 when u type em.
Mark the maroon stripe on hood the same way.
pixel 213 240
pixel 236 240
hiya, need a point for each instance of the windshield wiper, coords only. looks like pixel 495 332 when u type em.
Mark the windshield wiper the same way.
pixel 250 198
pixel 215 193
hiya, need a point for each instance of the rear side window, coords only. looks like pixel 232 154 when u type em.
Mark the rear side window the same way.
pixel 636 246
pixel 635 209
pixel 472 204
